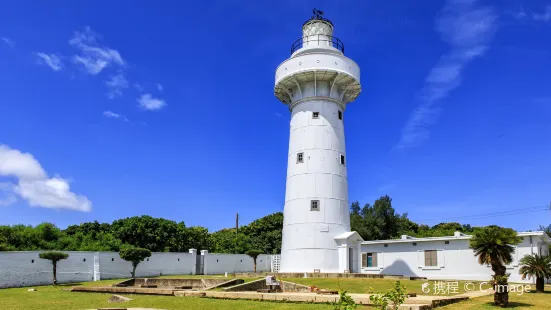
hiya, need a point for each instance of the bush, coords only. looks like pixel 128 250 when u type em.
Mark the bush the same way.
pixel 397 296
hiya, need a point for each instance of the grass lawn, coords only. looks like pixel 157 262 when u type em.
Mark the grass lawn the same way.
pixel 50 297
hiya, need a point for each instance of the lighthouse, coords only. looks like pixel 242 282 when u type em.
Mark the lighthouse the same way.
pixel 317 82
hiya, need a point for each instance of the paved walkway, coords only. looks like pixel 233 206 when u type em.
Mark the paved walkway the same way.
pixel 420 302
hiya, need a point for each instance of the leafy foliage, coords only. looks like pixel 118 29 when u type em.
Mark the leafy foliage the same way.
pixel 54 257
pixel 345 302
pixel 135 256
pixel 494 245
pixel 538 267
pixel 254 255
pixel 397 296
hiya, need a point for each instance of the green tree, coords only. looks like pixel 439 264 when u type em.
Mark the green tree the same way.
pixel 53 257
pixel 379 221
pixel 265 233
pixel 538 267
pixel 135 256
pixel 154 234
pixel 494 246
pixel 254 255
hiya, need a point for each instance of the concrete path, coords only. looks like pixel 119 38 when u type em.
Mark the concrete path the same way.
pixel 418 302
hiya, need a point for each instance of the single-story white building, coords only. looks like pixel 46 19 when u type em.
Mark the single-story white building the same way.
pixel 442 258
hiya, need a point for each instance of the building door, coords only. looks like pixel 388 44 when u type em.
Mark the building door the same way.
pixel 351 260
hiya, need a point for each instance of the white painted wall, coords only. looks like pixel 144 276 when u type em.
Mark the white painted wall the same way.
pixel 455 260
pixel 112 266
pixel 18 269
pixel 231 263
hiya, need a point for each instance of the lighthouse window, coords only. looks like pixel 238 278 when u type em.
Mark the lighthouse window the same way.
pixel 300 158
pixel 315 205
pixel 315 114
pixel 342 159
pixel 340 115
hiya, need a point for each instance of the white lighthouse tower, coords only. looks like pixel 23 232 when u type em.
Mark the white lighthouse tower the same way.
pixel 317 82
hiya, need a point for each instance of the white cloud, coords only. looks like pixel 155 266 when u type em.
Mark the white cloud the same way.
pixel 50 60
pixel 138 87
pixel 110 114
pixel 160 87
pixel 20 165
pixel 92 55
pixel 146 101
pixel 34 185
pixel 543 17
pixel 116 84
pixel 8 41
pixel 468 29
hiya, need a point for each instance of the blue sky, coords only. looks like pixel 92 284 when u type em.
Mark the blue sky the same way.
pixel 112 110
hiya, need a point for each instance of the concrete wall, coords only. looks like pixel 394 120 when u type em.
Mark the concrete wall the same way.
pixel 455 260
pixel 112 266
pixel 26 268
pixel 232 263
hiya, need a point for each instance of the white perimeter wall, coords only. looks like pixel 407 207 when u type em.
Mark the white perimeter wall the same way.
pixel 230 263
pixel 455 260
pixel 27 269
pixel 111 266
pixel 18 269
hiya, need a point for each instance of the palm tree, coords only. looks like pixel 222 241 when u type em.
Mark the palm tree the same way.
pixel 538 267
pixel 494 246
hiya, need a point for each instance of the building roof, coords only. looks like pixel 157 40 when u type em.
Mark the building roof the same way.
pixel 456 236
pixel 348 235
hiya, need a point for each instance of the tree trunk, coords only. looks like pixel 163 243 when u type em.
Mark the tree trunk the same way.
pixel 134 271
pixel 55 272
pixel 254 261
pixel 540 285
pixel 501 288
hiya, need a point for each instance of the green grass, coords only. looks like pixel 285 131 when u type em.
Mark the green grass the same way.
pixel 50 297
pixel 59 297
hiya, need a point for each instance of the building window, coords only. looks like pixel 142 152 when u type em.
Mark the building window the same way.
pixel 447 242
pixel 386 245
pixel 315 114
pixel 342 159
pixel 369 260
pixel 314 205
pixel 300 158
pixel 112 259
pixel 340 115
pixel 431 258
pixel 415 244
pixel 84 259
